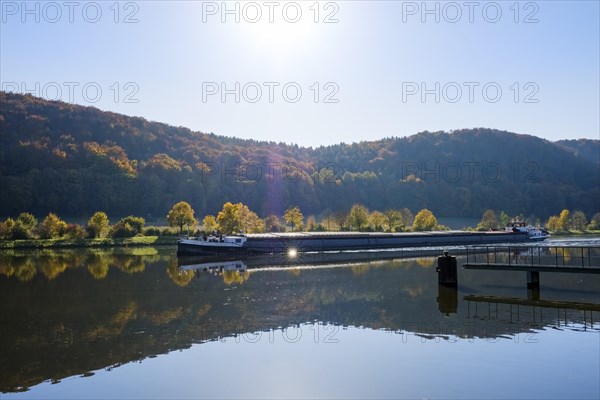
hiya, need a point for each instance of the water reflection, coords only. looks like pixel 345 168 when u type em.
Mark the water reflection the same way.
pixel 68 313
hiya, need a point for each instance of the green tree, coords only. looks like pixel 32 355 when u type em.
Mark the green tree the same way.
pixel 578 221
pixel 137 223
pixel 424 221
pixel 181 214
pixel 377 220
pixel 98 224
pixel 210 223
pixel 504 219
pixel 294 216
pixel 393 220
pixel 52 227
pixel 488 221
pixel 358 217
pixel 24 226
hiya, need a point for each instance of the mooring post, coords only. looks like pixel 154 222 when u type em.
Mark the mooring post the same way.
pixel 533 279
pixel 447 271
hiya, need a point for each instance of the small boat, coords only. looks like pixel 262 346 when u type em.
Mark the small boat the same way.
pixel 212 244
pixel 535 234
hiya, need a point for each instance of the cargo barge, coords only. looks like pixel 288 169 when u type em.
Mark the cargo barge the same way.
pixel 293 243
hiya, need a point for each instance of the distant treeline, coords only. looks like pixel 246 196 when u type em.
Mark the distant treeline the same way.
pixel 72 160
pixel 238 218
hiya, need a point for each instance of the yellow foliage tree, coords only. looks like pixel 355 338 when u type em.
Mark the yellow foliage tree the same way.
pixel 424 221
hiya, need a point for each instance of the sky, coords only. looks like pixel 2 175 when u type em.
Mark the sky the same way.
pixel 315 73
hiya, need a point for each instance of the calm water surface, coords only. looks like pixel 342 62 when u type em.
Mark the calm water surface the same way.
pixel 142 324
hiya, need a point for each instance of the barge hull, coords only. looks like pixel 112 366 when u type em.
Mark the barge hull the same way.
pixel 310 242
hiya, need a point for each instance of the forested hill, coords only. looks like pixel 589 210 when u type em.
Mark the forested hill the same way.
pixel 74 160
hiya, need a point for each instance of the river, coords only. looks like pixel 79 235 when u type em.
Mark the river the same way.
pixel 130 323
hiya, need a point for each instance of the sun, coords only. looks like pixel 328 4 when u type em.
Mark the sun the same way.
pixel 280 38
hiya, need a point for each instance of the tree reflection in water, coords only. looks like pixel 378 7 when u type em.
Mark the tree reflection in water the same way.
pixel 138 299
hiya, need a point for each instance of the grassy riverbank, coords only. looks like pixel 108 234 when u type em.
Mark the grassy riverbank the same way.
pixel 137 241
pixel 575 233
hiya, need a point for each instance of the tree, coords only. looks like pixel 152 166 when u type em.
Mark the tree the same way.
pixel 488 221
pixel 52 227
pixel 98 224
pixel 341 220
pixel 210 223
pixel 273 224
pixel 311 224
pixel 504 219
pixel 393 220
pixel 181 214
pixel 594 224
pixel 578 221
pixel 229 218
pixel 377 220
pixel 23 226
pixel 294 216
pixel 407 217
pixel 137 223
pixel 358 217
pixel 564 219
pixel 424 221
pixel 238 217
pixel 553 223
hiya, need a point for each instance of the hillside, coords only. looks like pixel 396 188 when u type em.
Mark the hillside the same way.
pixel 74 160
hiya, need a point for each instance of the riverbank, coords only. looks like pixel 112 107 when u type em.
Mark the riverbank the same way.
pixel 137 241
pixel 575 233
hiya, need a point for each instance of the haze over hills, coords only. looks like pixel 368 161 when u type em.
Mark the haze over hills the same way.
pixel 74 160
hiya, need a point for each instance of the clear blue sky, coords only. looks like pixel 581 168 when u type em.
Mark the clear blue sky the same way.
pixel 374 58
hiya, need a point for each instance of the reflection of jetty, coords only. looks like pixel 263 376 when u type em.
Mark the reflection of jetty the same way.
pixel 518 309
pixel 534 260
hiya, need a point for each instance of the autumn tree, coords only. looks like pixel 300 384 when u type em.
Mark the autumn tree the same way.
pixel 578 221
pixel 294 217
pixel 98 224
pixel 181 214
pixel 238 217
pixel 311 224
pixel 424 221
pixel 554 224
pixel 210 223
pixel 564 219
pixel 341 220
pixel 52 227
pixel 358 218
pixel 273 224
pixel 377 220
pixel 488 221
pixel 594 224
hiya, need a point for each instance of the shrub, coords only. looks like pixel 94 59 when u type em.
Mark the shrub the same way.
pixel 122 229
pixel 75 231
pixel 152 231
